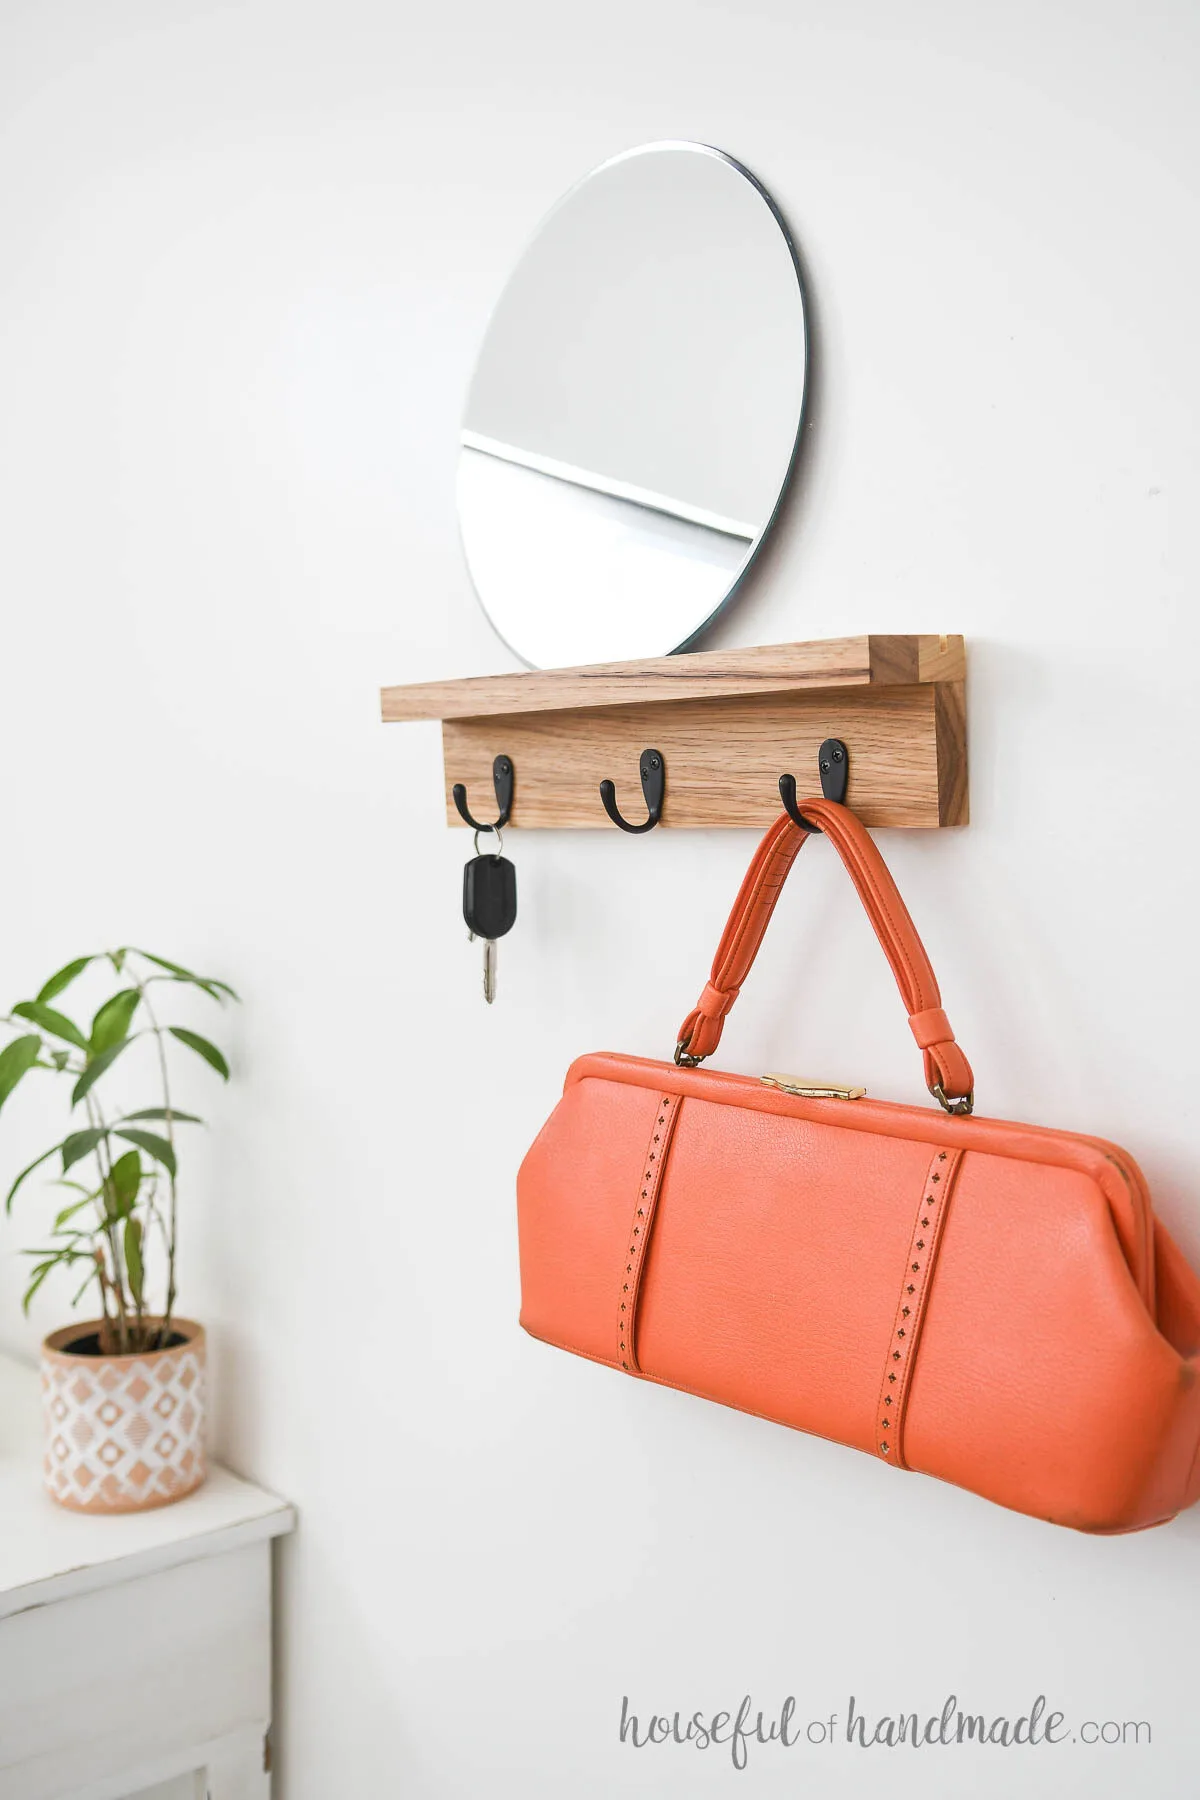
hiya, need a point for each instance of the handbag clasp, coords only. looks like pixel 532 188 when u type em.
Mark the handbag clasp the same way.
pixel 812 1090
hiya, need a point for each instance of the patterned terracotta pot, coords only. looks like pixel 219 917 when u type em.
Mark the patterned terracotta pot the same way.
pixel 123 1433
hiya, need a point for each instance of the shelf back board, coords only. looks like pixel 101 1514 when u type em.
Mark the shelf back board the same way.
pixel 728 724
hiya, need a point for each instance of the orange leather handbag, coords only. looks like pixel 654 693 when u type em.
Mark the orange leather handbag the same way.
pixel 990 1303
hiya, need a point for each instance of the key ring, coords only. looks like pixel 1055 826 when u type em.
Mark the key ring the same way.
pixel 488 831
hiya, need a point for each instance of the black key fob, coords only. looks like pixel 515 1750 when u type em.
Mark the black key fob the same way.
pixel 489 896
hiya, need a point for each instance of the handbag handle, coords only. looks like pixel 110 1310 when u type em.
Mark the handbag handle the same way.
pixel 947 1071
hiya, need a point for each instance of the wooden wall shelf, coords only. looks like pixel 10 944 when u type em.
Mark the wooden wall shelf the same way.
pixel 728 723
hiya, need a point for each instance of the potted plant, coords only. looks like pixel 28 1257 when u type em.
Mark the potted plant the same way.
pixel 123 1393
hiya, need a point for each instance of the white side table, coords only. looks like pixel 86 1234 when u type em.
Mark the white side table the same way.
pixel 135 1652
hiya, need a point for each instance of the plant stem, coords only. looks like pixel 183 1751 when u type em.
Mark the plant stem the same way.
pixel 154 1217
pixel 173 1228
pixel 102 1277
pixel 105 1283
pixel 117 1279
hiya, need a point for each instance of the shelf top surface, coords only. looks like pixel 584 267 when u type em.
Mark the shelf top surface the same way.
pixel 864 661
pixel 48 1553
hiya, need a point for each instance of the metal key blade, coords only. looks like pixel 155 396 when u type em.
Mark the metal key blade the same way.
pixel 489 970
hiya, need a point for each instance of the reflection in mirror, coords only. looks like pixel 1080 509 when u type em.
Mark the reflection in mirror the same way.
pixel 635 410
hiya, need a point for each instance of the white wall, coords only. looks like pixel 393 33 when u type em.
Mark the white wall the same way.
pixel 248 251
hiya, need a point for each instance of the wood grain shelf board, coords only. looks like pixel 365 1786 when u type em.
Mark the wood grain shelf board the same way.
pixel 728 725
pixel 851 662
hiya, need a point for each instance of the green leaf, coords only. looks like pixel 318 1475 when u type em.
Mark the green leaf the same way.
pixel 68 1212
pixel 111 1022
pixel 93 1275
pixel 60 1059
pixel 28 1170
pixel 56 1023
pixel 39 1275
pixel 161 1112
pixel 124 1185
pixel 154 1146
pixel 208 982
pixel 79 1145
pixel 64 978
pixel 16 1060
pixel 96 1067
pixel 133 1259
pixel 202 1047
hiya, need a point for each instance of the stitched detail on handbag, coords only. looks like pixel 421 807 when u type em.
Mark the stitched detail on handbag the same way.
pixel 766 896
pixel 910 1308
pixel 649 1186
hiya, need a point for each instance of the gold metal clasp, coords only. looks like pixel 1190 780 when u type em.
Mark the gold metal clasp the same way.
pixel 812 1090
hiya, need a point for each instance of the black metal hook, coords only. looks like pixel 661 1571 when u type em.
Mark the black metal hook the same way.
pixel 833 762
pixel 653 771
pixel 502 781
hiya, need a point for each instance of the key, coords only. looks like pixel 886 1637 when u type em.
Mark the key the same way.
pixel 489 905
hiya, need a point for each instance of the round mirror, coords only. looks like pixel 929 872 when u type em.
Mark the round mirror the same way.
pixel 635 410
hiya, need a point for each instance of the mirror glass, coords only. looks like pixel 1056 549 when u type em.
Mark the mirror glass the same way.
pixel 635 410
